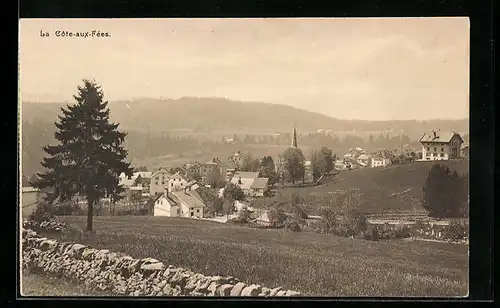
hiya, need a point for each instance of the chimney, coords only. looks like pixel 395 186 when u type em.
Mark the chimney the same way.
pixel 435 134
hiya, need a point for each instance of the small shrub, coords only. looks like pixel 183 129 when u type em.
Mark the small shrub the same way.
pixel 244 215
pixel 68 208
pixel 374 234
pixel 44 211
pixel 456 231
pixel 276 216
pixel 402 232
pixel 293 226
pixel 328 221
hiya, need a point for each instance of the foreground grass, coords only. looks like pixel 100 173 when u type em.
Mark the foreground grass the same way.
pixel 43 285
pixel 314 264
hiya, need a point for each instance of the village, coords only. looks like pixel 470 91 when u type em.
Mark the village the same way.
pixel 178 192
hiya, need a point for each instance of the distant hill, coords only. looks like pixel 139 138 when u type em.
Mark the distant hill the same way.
pixel 212 114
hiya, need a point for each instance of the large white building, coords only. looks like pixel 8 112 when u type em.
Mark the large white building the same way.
pixel 159 181
pixel 180 203
pixel 437 145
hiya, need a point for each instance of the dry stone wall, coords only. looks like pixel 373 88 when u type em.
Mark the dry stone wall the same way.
pixel 123 275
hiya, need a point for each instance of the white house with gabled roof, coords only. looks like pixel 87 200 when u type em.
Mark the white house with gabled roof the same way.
pixel 437 145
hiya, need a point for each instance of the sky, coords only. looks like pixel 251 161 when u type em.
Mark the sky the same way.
pixel 353 68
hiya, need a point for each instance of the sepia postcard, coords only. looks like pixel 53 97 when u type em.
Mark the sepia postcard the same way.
pixel 260 157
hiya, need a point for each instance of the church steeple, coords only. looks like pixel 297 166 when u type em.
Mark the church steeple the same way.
pixel 294 138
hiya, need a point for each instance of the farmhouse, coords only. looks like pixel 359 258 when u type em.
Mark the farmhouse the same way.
pixel 245 180
pixel 379 160
pixel 144 180
pixel 190 203
pixel 176 182
pixel 166 205
pixel 179 203
pixel 363 160
pixel 159 181
pixel 437 145
pixel 128 181
pixel 259 187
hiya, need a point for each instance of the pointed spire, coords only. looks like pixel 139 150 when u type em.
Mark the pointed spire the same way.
pixel 294 139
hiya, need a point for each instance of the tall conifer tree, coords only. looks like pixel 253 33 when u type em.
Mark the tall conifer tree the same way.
pixel 89 156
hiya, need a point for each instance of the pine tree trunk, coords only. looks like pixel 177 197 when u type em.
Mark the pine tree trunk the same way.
pixel 90 212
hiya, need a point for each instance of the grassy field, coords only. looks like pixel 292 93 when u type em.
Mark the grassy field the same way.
pixel 43 285
pixel 377 186
pixel 315 264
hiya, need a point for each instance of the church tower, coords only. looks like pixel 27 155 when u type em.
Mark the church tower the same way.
pixel 294 139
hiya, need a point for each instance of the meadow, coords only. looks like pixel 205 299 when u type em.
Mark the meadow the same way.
pixel 396 188
pixel 317 265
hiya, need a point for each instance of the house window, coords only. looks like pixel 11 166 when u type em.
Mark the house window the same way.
pixel 442 149
pixel 182 184
pixel 435 149
pixel 192 213
pixel 178 211
pixel 198 210
pixel 171 184
pixel 156 183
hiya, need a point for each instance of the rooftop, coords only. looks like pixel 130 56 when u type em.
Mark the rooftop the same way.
pixel 259 183
pixel 439 136
pixel 144 174
pixel 188 197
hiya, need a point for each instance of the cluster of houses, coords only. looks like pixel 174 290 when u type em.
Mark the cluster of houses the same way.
pixel 360 158
pixel 175 191
pixel 436 145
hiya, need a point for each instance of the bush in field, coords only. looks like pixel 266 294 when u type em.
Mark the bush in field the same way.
pixel 456 231
pixel 244 215
pixel 293 226
pixel 276 216
pixel 354 223
pixel 402 232
pixel 297 208
pixel 374 234
pixel 44 211
pixel 328 221
pixel 68 208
